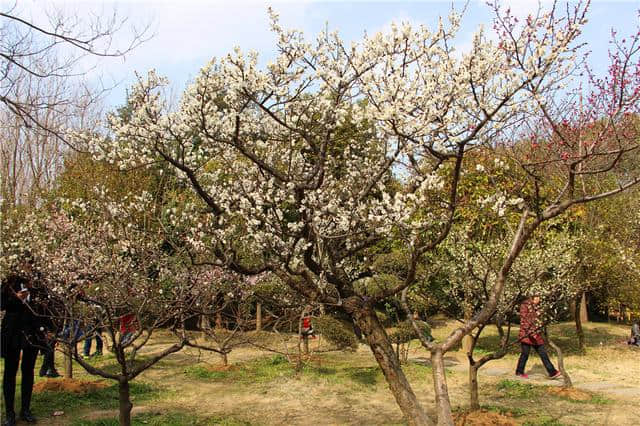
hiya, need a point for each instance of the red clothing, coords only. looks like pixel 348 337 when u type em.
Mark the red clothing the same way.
pixel 306 322
pixel 127 323
pixel 529 327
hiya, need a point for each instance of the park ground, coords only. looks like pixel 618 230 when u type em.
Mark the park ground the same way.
pixel 347 388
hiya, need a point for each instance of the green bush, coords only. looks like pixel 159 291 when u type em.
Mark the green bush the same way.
pixel 337 332
pixel 404 332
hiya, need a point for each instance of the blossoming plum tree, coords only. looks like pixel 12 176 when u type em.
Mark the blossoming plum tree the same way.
pixel 102 260
pixel 284 188
pixel 545 268
pixel 572 150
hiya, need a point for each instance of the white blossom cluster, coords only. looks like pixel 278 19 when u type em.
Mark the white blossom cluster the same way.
pixel 547 267
pixel 331 146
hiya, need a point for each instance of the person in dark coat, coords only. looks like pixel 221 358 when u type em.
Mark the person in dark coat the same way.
pixel 52 309
pixel 22 335
pixel 635 334
pixel 531 337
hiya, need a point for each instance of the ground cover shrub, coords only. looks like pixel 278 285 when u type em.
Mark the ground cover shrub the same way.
pixel 517 389
pixel 338 333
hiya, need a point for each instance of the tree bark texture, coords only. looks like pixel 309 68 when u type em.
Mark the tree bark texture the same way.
pixel 68 363
pixel 584 314
pixel 578 319
pixel 443 405
pixel 565 376
pixel 125 403
pixel 382 349
pixel 258 316
pixel 474 401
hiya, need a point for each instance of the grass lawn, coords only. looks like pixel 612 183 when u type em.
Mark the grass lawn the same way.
pixel 335 388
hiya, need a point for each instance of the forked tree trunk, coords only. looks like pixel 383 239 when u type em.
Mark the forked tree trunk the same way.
pixel 474 401
pixel 225 359
pixel 366 319
pixel 125 403
pixel 443 405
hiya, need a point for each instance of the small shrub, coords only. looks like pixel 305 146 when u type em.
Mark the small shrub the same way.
pixel 278 359
pixel 516 389
pixel 200 372
pixel 404 332
pixel 337 332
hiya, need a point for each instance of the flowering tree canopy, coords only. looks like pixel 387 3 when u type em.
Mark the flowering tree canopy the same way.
pixel 304 166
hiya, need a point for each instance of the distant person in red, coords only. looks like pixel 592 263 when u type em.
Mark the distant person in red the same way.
pixel 127 328
pixel 307 328
pixel 530 336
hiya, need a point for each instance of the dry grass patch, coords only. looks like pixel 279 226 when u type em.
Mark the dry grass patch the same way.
pixel 484 418
pixel 570 393
pixel 69 385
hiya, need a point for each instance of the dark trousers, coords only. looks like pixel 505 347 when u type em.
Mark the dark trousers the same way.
pixel 11 361
pixel 87 344
pixel 542 352
pixel 48 353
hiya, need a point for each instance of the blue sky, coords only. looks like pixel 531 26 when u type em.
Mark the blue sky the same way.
pixel 188 33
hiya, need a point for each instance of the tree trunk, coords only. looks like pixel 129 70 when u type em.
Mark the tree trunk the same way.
pixel 125 404
pixel 474 402
pixel 443 405
pixel 584 314
pixel 466 344
pixel 225 359
pixel 205 325
pixel 565 375
pixel 219 320
pixel 376 336
pixel 577 315
pixel 68 363
pixel 258 316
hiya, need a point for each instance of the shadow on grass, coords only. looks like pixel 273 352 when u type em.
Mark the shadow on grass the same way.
pixel 366 376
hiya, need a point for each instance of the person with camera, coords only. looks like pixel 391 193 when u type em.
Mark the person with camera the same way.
pixel 22 335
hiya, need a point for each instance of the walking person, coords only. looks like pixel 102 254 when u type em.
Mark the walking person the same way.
pixel 48 368
pixel 127 329
pixel 635 334
pixel 530 336
pixel 22 335
pixel 95 332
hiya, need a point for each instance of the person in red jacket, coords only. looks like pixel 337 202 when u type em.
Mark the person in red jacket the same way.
pixel 127 328
pixel 307 328
pixel 531 336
